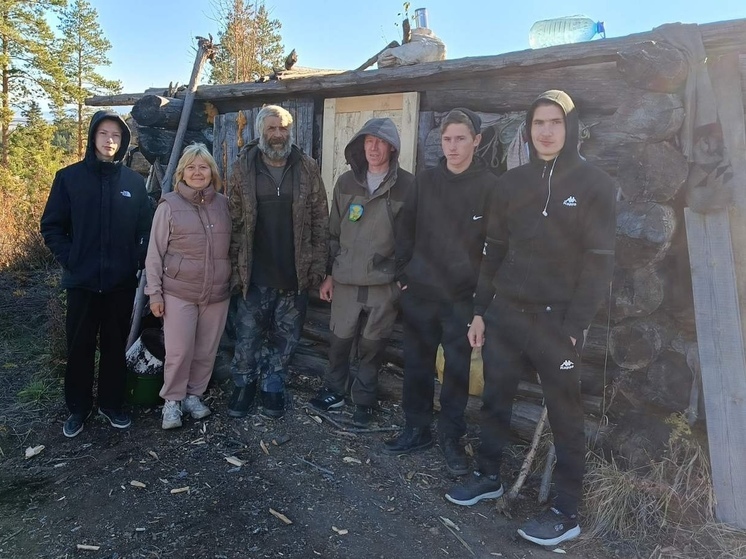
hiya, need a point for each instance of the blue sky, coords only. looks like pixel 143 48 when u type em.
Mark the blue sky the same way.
pixel 153 40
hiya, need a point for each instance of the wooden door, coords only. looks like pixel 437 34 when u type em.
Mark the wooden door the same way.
pixel 343 118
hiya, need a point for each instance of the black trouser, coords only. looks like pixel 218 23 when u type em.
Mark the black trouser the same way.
pixel 427 324
pixel 106 315
pixel 516 342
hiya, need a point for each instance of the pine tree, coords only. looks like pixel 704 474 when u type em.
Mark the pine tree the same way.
pixel 84 49
pixel 250 42
pixel 28 64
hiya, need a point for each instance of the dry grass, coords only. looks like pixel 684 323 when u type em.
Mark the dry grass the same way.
pixel 21 244
pixel 667 507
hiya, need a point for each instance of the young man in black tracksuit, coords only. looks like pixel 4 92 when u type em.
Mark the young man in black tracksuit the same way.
pixel 97 224
pixel 547 266
pixel 438 251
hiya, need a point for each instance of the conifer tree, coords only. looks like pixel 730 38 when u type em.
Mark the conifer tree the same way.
pixel 84 49
pixel 28 64
pixel 250 42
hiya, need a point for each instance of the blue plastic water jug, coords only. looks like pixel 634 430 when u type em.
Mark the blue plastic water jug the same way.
pixel 564 30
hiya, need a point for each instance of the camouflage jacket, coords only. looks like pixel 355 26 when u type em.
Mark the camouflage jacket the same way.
pixel 310 219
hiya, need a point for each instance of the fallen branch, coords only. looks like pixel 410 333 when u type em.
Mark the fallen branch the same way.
pixel 348 427
pixel 452 531
pixel 319 468
pixel 526 466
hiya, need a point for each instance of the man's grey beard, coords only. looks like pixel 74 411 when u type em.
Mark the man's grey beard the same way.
pixel 273 153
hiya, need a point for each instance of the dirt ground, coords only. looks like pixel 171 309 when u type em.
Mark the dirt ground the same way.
pixel 323 493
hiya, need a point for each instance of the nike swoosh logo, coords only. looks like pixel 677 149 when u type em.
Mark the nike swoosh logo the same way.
pixel 476 217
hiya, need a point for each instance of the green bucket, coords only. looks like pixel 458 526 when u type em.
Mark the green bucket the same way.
pixel 143 390
pixel 145 368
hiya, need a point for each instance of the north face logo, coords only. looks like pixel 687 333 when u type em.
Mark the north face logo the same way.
pixel 567 365
pixel 571 201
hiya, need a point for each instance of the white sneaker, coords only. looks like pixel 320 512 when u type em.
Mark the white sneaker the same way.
pixel 194 406
pixel 171 415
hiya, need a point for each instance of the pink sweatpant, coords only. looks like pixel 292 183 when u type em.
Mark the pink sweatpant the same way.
pixel 191 334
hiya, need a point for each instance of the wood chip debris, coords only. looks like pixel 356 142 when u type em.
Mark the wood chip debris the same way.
pixel 34 450
pixel 86 547
pixel 280 439
pixel 351 460
pixel 340 531
pixel 281 516
pixel 153 454
pixel 317 419
pixel 180 490
pixel 558 550
pixel 448 522
pixel 135 483
pixel 234 461
pixel 264 447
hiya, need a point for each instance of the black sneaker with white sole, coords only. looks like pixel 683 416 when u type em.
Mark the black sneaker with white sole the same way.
pixel 476 487
pixel 550 528
pixel 74 424
pixel 117 418
pixel 326 400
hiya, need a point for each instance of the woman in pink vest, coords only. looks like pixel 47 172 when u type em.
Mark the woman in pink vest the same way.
pixel 188 272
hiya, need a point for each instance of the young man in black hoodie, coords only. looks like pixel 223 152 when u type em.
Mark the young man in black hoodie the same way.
pixel 438 251
pixel 97 223
pixel 548 264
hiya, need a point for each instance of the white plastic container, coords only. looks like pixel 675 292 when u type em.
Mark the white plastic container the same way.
pixel 564 30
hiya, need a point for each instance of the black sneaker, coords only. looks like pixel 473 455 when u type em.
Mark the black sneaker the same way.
pixel 326 400
pixel 241 400
pixel 74 424
pixel 477 487
pixel 118 418
pixel 273 404
pixel 363 416
pixel 409 440
pixel 550 528
pixel 455 456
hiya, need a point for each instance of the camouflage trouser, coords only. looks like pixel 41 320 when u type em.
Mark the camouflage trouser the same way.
pixel 268 325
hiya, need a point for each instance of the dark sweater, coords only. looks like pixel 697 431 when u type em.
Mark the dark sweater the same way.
pixel 561 257
pixel 274 248
pixel 441 231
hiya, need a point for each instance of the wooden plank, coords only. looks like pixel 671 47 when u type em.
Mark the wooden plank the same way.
pixel 218 148
pixel 328 148
pixel 408 131
pixel 344 117
pixel 390 102
pixel 721 353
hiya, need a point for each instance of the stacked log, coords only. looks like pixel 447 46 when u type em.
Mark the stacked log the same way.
pixel 157 118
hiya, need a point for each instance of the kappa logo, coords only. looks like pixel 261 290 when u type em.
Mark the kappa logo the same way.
pixel 571 201
pixel 476 217
pixel 126 193
pixel 567 365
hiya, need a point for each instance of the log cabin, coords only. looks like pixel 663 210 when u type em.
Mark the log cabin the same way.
pixel 670 338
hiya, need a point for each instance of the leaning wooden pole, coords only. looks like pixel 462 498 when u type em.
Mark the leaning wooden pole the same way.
pixel 205 51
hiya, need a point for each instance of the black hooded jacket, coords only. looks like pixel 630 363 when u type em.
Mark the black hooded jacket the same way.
pixel 550 241
pixel 97 218
pixel 442 231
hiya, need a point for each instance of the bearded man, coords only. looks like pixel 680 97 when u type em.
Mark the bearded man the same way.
pixel 279 247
